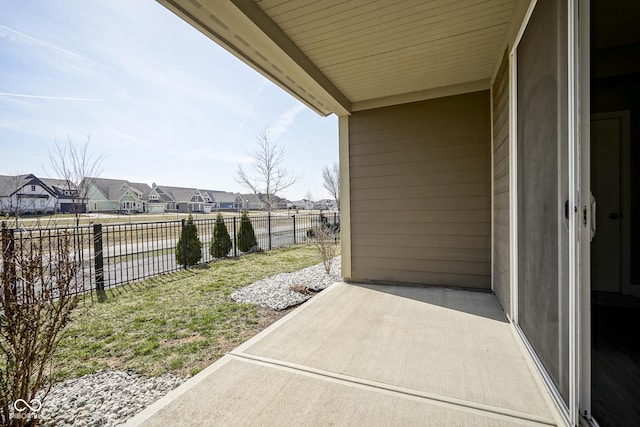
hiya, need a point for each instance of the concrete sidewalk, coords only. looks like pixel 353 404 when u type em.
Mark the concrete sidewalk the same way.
pixel 370 355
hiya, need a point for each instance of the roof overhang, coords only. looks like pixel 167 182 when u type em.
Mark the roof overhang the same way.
pixel 339 57
pixel 246 31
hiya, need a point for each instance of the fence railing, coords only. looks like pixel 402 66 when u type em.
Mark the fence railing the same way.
pixel 109 255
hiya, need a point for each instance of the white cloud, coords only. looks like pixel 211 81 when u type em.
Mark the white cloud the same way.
pixel 285 120
pixel 254 99
pixel 124 135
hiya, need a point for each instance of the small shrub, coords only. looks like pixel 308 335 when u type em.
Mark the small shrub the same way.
pixel 246 237
pixel 324 239
pixel 38 293
pixel 221 243
pixel 192 246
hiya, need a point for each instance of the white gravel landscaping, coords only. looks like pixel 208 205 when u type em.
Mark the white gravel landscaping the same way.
pixel 106 398
pixel 275 292
pixel 109 398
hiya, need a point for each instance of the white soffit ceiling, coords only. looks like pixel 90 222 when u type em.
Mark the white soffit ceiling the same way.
pixel 338 56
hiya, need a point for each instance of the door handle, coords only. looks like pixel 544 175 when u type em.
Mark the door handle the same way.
pixel 593 216
pixel 613 216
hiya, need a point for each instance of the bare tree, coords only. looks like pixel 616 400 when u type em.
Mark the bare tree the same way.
pixel 308 195
pixel 269 176
pixel 78 168
pixel 331 181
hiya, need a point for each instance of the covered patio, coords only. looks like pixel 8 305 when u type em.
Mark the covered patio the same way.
pixel 371 355
pixel 467 152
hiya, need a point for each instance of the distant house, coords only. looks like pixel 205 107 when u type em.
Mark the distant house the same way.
pixel 282 203
pixel 325 204
pixel 184 199
pixel 69 199
pixel 252 202
pixel 260 202
pixel 302 204
pixel 225 201
pixel 26 194
pixel 117 195
pixel 159 201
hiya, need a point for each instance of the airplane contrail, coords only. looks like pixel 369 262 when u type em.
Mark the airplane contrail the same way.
pixel 43 43
pixel 58 98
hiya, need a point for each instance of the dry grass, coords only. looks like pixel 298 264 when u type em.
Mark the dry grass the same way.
pixel 66 220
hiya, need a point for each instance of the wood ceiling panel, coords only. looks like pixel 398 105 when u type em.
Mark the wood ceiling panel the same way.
pixel 372 49
pixel 341 14
pixel 415 31
pixel 465 42
pixel 391 15
pixel 419 57
pixel 406 85
pixel 324 9
pixel 427 53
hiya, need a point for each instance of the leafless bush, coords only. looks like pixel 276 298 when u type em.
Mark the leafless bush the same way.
pixel 37 295
pixel 301 289
pixel 324 239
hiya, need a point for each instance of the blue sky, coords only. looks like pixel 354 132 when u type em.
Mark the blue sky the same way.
pixel 161 101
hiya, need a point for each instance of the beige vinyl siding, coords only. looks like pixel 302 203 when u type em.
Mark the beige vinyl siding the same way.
pixel 420 192
pixel 500 105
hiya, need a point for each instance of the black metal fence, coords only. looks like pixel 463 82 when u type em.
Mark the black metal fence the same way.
pixel 109 255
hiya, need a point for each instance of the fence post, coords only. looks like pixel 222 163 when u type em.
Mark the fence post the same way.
pixel 8 249
pixel 98 259
pixel 269 228
pixel 235 239
pixel 294 229
pixel 184 246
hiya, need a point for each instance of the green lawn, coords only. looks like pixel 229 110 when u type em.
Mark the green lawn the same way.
pixel 177 323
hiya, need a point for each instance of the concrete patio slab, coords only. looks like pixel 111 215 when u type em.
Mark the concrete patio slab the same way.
pixel 365 354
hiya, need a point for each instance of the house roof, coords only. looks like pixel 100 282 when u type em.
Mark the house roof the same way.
pixel 55 182
pixel 58 186
pixel 141 187
pixel 9 184
pixel 222 196
pixel 164 197
pixel 251 198
pixel 177 194
pixel 341 56
pixel 114 189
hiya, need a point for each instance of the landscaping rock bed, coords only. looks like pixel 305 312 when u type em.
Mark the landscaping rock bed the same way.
pixel 288 289
pixel 107 398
